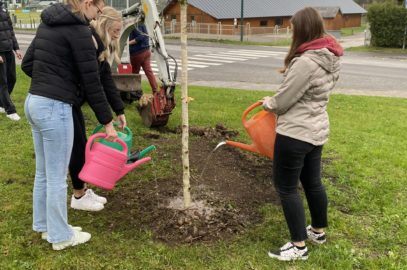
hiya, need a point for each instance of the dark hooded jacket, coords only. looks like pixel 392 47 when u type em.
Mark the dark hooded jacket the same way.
pixel 62 58
pixel 111 92
pixel 8 41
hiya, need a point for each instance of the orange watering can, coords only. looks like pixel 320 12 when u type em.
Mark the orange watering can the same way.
pixel 261 129
pixel 104 165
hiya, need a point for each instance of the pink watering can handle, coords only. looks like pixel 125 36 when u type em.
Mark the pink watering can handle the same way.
pixel 103 135
pixel 248 110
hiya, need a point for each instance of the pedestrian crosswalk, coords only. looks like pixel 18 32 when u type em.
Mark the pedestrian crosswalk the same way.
pixel 197 61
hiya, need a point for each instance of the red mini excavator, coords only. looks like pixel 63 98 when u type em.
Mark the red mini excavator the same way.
pixel 157 110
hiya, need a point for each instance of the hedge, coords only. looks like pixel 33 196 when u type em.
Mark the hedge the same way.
pixel 387 24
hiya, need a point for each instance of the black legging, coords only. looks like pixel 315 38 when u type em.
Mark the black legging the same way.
pixel 297 160
pixel 78 151
pixel 7 81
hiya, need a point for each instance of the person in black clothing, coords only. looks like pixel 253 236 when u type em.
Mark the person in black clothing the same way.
pixel 62 62
pixel 8 44
pixel 108 26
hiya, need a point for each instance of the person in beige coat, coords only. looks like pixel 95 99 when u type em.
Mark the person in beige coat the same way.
pixel 311 70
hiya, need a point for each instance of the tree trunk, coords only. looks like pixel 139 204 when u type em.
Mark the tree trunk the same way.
pixel 184 98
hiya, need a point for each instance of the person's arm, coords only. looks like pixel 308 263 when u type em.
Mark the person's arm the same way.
pixel 84 56
pixel 138 35
pixel 294 86
pixel 16 48
pixel 132 37
pixel 28 60
pixel 112 94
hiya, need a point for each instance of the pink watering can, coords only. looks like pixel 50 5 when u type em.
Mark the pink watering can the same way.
pixel 104 165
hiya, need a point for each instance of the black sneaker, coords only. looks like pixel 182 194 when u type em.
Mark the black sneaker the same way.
pixel 315 237
pixel 289 252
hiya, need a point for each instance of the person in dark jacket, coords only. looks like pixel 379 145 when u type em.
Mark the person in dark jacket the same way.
pixel 62 62
pixel 108 26
pixel 8 47
pixel 140 54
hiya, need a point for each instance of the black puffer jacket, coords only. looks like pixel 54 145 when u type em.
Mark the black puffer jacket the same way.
pixel 112 94
pixel 8 41
pixel 62 58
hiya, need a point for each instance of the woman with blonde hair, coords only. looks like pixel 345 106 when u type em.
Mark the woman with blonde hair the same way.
pixel 62 62
pixel 106 31
pixel 311 70
pixel 108 27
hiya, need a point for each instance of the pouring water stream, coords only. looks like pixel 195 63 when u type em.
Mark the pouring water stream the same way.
pixel 208 157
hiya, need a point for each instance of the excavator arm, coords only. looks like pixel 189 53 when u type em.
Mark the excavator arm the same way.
pixel 157 111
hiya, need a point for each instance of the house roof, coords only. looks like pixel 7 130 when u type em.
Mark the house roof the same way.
pixel 227 9
pixel 328 12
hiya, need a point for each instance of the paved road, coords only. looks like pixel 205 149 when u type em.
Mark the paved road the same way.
pixel 256 67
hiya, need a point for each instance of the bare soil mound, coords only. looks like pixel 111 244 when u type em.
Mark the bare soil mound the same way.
pixel 228 186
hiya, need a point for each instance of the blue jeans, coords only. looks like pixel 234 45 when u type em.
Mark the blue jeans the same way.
pixel 52 130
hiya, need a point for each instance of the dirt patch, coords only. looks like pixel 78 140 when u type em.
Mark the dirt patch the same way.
pixel 228 187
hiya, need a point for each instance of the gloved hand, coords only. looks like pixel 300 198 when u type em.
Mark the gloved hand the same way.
pixel 145 100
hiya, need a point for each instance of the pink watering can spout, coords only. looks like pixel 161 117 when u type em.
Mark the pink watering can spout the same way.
pixel 129 167
pixel 105 165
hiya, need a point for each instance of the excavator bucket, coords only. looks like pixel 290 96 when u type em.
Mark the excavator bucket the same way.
pixel 156 111
pixel 127 82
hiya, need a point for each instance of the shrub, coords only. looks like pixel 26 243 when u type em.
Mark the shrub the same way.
pixel 387 24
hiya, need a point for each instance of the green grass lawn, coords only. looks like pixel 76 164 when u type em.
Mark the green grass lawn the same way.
pixel 349 31
pixel 27 16
pixel 377 50
pixel 365 172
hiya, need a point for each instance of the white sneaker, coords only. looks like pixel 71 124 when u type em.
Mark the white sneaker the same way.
pixel 77 239
pixel 315 237
pixel 289 252
pixel 14 116
pixel 96 197
pixel 86 203
pixel 44 235
pixel 2 110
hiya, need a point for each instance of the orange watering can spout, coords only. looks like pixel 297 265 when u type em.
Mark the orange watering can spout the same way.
pixel 261 129
pixel 247 147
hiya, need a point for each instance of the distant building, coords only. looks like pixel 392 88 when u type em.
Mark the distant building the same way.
pixel 337 14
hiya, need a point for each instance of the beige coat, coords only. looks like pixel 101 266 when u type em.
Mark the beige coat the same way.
pixel 301 100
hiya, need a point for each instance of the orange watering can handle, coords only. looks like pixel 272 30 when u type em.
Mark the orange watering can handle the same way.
pixel 251 108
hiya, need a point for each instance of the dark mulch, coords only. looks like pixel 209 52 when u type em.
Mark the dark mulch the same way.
pixel 228 187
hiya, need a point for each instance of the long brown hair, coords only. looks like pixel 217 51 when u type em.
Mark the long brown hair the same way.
pixel 307 26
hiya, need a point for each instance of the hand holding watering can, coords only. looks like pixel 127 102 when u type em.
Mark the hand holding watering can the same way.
pixel 111 133
pixel 126 136
pixel 110 128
